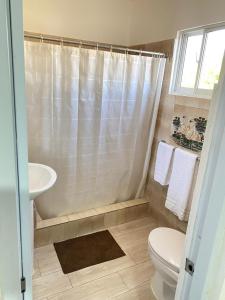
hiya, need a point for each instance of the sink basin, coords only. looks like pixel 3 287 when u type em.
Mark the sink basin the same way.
pixel 41 179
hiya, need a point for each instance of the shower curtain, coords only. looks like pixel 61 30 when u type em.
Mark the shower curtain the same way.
pixel 91 117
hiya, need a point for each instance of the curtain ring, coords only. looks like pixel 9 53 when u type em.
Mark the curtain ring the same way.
pixel 42 39
pixel 97 46
pixel 61 42
pixel 140 53
pixel 80 44
pixel 111 48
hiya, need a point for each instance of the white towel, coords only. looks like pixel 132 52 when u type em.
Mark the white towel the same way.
pixel 163 163
pixel 181 181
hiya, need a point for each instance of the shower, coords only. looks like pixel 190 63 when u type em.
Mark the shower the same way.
pixel 91 117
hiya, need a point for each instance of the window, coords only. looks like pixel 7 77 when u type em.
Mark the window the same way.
pixel 197 61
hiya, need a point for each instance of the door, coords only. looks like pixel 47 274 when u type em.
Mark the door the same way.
pixel 205 239
pixel 15 214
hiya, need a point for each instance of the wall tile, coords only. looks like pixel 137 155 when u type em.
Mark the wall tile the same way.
pixel 169 105
pixel 49 235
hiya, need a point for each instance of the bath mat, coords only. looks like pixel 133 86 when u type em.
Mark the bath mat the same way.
pixel 87 250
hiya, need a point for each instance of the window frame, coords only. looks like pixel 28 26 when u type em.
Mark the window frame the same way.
pixel 179 58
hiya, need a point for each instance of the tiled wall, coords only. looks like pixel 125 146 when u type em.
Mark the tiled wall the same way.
pixel 169 105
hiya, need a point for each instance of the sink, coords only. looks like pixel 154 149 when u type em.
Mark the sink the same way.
pixel 41 179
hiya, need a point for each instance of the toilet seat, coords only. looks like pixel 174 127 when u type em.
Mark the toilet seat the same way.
pixel 167 245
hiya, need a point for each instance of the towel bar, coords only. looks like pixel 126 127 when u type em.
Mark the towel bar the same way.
pixel 163 141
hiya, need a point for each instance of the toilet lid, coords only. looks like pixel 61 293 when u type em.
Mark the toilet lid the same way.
pixel 168 244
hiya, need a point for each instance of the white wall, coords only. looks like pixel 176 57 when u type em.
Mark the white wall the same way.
pixel 94 20
pixel 125 22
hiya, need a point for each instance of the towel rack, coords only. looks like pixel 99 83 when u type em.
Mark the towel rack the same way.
pixel 163 141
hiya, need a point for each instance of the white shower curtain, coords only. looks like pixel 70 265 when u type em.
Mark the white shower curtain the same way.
pixel 91 116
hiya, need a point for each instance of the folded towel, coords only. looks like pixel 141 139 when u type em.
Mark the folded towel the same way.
pixel 181 180
pixel 163 163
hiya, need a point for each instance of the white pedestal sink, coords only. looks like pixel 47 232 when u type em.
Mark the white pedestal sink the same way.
pixel 41 179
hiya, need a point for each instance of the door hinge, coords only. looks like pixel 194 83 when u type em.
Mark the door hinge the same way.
pixel 23 284
pixel 189 266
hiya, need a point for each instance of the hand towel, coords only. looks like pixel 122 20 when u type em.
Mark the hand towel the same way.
pixel 181 181
pixel 163 163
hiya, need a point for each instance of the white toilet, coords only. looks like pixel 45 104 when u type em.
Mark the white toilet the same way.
pixel 166 248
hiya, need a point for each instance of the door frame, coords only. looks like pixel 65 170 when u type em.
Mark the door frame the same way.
pixel 15 212
pixel 205 238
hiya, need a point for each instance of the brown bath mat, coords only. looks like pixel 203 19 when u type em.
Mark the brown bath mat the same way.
pixel 88 250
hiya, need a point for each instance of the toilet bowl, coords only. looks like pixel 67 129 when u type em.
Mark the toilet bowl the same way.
pixel 166 248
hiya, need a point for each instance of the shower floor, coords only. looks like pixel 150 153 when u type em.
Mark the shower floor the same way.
pixel 124 278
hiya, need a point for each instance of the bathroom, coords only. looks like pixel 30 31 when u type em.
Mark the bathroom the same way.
pixel 119 95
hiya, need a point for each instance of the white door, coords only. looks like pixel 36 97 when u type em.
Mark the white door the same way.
pixel 205 239
pixel 15 216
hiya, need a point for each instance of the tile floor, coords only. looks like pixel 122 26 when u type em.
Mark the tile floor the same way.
pixel 125 278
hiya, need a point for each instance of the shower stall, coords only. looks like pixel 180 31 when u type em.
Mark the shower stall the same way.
pixel 91 117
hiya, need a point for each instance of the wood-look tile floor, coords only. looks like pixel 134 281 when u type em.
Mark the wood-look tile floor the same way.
pixel 125 278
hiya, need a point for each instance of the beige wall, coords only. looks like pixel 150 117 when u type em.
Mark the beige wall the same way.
pixel 157 20
pixel 152 20
pixel 93 20
pixel 125 22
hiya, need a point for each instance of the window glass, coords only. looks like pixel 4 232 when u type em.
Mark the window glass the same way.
pixel 191 60
pixel 196 68
pixel 212 60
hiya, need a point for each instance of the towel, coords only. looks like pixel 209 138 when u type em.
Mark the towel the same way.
pixel 181 181
pixel 163 163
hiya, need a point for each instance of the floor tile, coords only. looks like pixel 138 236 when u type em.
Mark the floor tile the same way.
pixel 133 237
pixel 139 253
pixel 100 289
pixel 47 259
pixel 49 285
pixel 137 274
pixel 100 270
pixel 49 264
pixel 45 251
pixel 36 270
pixel 142 292
pixel 127 277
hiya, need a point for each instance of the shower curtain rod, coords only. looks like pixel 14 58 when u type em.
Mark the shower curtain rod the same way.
pixel 109 47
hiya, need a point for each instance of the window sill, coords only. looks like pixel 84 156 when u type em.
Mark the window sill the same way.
pixel 203 97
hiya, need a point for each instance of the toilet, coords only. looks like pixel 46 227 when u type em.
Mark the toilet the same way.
pixel 166 248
